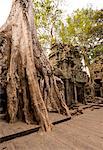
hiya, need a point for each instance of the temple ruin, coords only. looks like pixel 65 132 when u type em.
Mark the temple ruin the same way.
pixel 97 76
pixel 66 61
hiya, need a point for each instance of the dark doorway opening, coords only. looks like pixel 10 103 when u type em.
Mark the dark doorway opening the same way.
pixel 69 91
pixel 3 100
pixel 80 93
pixel 98 85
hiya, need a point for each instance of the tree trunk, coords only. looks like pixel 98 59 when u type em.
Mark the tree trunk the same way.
pixel 29 81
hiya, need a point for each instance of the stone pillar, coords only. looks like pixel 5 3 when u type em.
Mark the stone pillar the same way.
pixel 67 91
pixel 101 89
pixel 75 93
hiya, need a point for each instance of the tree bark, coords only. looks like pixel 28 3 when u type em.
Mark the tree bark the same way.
pixel 29 81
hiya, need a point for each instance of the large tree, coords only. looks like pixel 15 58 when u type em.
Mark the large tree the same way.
pixel 25 71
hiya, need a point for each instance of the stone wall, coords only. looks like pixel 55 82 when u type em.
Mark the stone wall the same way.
pixel 97 76
pixel 67 59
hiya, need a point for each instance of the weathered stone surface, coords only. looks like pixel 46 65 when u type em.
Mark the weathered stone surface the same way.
pixel 66 60
pixel 97 76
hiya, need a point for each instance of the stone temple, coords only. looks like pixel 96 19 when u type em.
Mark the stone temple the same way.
pixel 67 65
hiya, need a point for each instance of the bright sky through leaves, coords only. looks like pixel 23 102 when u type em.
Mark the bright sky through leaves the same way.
pixel 71 5
pixel 68 7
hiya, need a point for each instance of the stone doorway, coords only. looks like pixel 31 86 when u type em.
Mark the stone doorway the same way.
pixel 3 100
pixel 80 93
pixel 98 86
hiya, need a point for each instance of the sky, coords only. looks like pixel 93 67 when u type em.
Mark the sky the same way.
pixel 71 5
pixel 68 7
pixel 5 6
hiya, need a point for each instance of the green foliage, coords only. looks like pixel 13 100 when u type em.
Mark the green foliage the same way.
pixel 84 28
pixel 47 19
pixel 79 25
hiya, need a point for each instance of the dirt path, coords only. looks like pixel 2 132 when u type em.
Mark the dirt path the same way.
pixel 83 132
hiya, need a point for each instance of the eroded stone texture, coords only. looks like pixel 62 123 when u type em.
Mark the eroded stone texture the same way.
pixel 97 76
pixel 66 61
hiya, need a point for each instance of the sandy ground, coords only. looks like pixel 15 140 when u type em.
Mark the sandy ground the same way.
pixel 83 132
